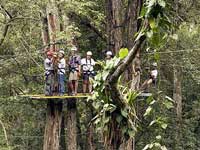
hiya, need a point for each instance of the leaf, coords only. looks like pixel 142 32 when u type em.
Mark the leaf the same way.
pixel 104 75
pixel 162 3
pixel 168 104
pixel 149 34
pixel 148 111
pixel 149 99
pixel 174 37
pixel 146 147
pixel 169 98
pixel 158 137
pixel 152 23
pixel 131 133
pixel 124 113
pixel 119 118
pixel 132 97
pixel 164 125
pixel 112 108
pixel 157 144
pixel 124 129
pixel 163 148
pixel 123 52
pixel 143 11
pixel 152 122
pixel 152 102
pixel 157 56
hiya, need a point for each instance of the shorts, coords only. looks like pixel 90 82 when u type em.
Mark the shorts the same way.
pixel 87 76
pixel 73 76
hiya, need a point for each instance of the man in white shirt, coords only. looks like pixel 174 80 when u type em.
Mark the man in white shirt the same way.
pixel 152 77
pixel 88 71
pixel 49 74
pixel 61 72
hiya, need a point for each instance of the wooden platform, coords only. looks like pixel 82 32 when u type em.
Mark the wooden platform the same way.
pixel 79 95
pixel 65 96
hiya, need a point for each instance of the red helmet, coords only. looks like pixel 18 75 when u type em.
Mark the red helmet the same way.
pixel 49 53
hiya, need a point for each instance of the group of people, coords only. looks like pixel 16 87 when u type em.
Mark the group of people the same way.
pixel 55 72
pixel 55 67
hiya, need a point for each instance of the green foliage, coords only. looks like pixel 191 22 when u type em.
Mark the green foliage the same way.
pixel 123 52
pixel 21 65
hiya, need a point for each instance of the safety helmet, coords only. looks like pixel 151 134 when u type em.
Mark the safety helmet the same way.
pixel 49 53
pixel 89 53
pixel 154 64
pixel 74 48
pixel 62 52
pixel 109 53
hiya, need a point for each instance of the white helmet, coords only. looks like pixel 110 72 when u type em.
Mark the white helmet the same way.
pixel 74 48
pixel 62 52
pixel 109 53
pixel 89 53
pixel 154 64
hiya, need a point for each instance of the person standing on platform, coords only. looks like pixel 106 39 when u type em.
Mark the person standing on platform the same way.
pixel 74 70
pixel 152 77
pixel 88 71
pixel 61 72
pixel 49 74
pixel 109 56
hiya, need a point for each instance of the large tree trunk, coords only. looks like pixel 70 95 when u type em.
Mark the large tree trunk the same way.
pixel 134 7
pixel 45 31
pixel 54 109
pixel 133 10
pixel 114 24
pixel 130 29
pixel 113 140
pixel 90 145
pixel 177 96
pixel 53 23
pixel 53 126
pixel 71 125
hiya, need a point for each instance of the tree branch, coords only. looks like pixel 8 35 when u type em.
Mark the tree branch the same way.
pixel 86 22
pixel 6 26
pixel 112 79
pixel 7 13
pixel 5 31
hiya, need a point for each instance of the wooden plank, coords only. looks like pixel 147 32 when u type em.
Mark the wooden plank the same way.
pixel 66 96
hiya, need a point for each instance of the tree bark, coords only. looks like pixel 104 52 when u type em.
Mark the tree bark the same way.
pixel 112 90
pixel 54 109
pixel 177 96
pixel 131 28
pixel 71 125
pixel 53 23
pixel 90 129
pixel 133 10
pixel 114 24
pixel 53 125
pixel 45 31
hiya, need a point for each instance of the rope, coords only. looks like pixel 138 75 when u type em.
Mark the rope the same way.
pixel 177 51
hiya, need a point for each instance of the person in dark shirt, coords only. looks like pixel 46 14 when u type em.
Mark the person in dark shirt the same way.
pixel 74 70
